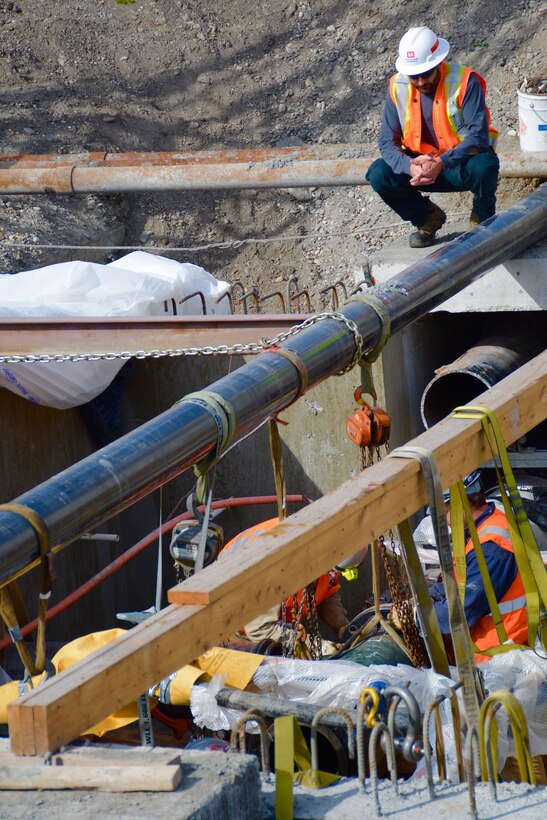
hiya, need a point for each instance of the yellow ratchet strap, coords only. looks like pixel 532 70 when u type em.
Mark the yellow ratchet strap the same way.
pixel 519 730
pixel 291 749
pixel 527 555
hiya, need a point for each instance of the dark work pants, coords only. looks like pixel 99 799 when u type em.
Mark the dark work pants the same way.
pixel 478 174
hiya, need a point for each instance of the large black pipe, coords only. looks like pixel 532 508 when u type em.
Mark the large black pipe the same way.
pixel 115 477
pixel 476 370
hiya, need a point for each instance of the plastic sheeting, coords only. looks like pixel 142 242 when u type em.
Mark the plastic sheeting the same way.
pixel 340 683
pixel 138 284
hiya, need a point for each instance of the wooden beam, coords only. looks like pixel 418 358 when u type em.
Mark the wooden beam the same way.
pixel 239 587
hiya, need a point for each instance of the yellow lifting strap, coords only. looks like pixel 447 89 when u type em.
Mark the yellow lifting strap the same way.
pixel 276 453
pixel 460 516
pixel 291 749
pixel 223 414
pixel 367 359
pixel 519 730
pixel 526 551
pixel 6 603
pixel 472 688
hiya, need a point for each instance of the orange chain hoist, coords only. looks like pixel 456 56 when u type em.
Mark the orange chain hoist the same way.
pixel 368 426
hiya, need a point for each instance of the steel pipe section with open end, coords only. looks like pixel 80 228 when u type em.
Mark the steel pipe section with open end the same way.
pixel 479 368
pixel 115 477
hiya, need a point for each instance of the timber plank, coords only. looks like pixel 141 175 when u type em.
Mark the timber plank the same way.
pixel 261 574
pixel 108 777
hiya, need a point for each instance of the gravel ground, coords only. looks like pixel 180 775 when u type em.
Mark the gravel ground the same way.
pixel 169 75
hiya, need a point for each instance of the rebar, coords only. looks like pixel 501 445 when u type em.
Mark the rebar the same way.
pixel 313 740
pixel 381 731
pixel 238 733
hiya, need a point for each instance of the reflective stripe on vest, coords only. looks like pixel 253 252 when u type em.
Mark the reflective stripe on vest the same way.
pixel 511 606
pixel 447 117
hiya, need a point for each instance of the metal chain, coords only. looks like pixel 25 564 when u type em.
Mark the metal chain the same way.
pixel 402 601
pixel 397 581
pixel 291 631
pixel 208 350
pixel 314 631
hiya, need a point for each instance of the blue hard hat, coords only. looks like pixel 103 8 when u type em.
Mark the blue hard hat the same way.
pixel 472 484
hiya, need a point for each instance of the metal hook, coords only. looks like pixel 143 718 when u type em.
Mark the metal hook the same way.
pixel 292 280
pixel 238 284
pixel 341 284
pixel 313 742
pixel 191 296
pixel 369 697
pixel 439 740
pixel 381 730
pixel 229 296
pixel 245 296
pixel 238 732
pixel 333 296
pixel 304 292
pixel 278 294
pixel 411 750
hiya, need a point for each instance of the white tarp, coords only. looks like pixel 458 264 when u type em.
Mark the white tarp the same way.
pixel 138 284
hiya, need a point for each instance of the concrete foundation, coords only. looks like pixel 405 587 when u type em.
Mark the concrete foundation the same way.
pixel 515 285
pixel 345 801
pixel 214 785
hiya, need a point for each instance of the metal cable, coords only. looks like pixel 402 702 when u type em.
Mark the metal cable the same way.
pixel 226 245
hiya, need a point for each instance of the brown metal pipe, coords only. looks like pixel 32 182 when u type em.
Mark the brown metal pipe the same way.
pixel 228 169
pixel 76 336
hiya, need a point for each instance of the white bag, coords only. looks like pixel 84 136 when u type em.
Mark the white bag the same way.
pixel 139 284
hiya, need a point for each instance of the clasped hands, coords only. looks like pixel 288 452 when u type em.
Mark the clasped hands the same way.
pixel 424 169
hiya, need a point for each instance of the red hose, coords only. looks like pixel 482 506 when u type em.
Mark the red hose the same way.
pixel 125 557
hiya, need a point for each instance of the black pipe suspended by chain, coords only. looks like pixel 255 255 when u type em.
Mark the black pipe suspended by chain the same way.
pixel 117 476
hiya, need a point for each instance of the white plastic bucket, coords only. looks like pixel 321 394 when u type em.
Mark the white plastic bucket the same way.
pixel 532 121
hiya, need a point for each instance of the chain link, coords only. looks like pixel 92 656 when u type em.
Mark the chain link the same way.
pixel 314 632
pixel 402 602
pixel 292 630
pixel 208 350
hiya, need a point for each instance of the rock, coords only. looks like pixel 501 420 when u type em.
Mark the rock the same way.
pixel 300 194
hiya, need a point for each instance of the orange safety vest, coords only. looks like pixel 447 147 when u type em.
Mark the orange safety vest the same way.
pixel 513 604
pixel 327 584
pixel 448 122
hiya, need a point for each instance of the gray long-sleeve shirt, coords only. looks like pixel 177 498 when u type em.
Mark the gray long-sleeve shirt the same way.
pixel 474 114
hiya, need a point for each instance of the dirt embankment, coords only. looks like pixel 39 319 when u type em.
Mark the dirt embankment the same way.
pixel 169 75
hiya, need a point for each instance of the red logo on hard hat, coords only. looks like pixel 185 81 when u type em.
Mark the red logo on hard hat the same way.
pixel 435 46
pixel 410 55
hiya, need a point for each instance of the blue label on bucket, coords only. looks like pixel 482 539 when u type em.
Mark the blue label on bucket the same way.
pixel 542 127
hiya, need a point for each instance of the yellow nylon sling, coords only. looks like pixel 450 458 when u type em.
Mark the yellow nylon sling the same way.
pixel 527 555
pixel 460 511
pixel 291 749
pixel 519 730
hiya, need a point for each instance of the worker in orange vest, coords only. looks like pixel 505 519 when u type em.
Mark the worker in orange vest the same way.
pixel 493 532
pixel 435 137
pixel 330 608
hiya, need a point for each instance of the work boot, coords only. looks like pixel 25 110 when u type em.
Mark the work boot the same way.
pixel 474 220
pixel 424 236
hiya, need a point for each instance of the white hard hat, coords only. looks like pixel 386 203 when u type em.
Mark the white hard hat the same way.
pixel 420 50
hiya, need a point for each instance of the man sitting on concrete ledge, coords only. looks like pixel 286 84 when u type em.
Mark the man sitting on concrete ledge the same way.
pixel 435 136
